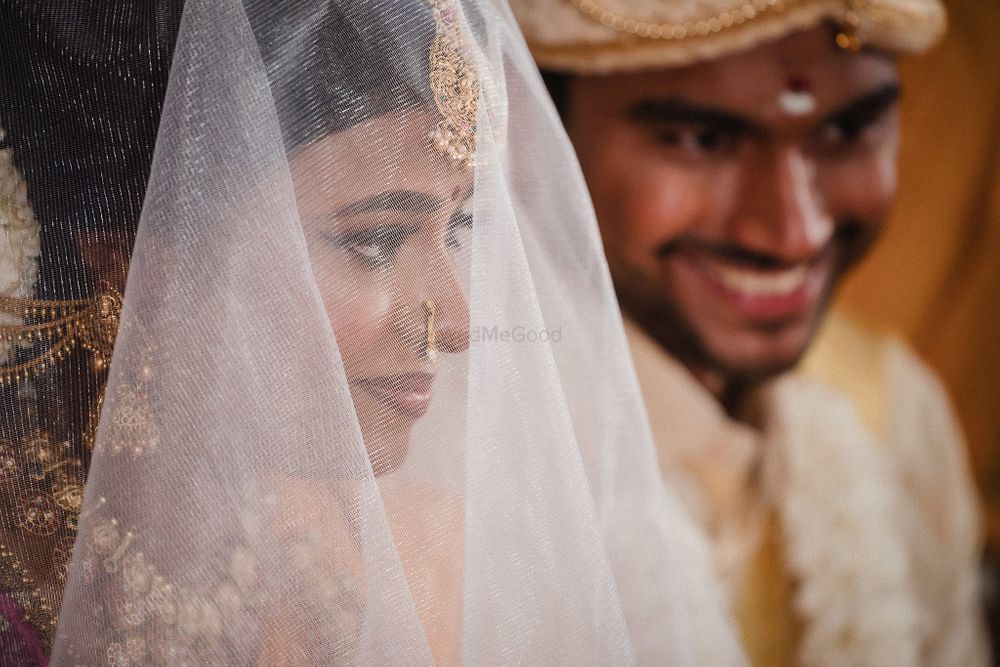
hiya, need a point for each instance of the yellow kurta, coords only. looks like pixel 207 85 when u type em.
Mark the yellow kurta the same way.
pixel 837 543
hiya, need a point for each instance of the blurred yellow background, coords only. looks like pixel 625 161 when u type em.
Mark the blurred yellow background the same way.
pixel 934 277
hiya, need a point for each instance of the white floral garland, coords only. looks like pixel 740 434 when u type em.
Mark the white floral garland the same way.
pixel 845 545
pixel 20 241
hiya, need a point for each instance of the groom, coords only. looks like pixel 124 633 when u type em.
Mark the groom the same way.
pixel 740 161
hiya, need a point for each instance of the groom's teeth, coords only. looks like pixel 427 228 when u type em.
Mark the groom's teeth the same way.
pixel 759 283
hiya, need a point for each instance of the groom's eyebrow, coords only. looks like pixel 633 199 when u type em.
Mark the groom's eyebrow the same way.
pixel 404 201
pixel 656 111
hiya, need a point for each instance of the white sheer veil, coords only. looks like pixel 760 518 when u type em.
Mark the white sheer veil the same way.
pixel 370 400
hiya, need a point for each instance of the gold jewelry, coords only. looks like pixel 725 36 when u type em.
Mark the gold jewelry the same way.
pixel 431 337
pixel 847 37
pixel 455 86
pixel 90 323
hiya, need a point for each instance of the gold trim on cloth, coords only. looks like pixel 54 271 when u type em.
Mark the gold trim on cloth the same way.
pixel 605 36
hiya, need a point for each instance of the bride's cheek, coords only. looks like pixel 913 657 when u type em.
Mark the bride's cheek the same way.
pixel 360 315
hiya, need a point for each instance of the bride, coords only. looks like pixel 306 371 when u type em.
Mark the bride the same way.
pixel 301 455
pixel 387 236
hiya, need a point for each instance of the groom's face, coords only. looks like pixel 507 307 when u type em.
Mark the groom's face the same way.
pixel 732 195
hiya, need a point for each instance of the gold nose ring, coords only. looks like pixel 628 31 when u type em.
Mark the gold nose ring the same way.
pixel 431 338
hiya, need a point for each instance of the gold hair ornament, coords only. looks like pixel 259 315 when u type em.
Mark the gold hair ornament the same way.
pixel 455 86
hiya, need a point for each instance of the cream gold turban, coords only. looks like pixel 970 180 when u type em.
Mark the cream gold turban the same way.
pixel 601 36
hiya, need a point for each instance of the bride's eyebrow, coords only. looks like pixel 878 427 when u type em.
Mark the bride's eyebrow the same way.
pixel 404 201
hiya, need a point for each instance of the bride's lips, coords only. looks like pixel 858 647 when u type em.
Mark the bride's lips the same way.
pixel 760 294
pixel 406 393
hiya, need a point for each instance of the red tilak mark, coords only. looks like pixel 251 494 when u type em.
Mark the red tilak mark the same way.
pixel 454 193
pixel 798 84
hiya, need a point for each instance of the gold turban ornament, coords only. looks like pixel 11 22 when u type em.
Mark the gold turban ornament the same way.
pixel 603 36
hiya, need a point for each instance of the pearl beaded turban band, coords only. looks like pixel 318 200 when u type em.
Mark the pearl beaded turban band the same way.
pixel 601 36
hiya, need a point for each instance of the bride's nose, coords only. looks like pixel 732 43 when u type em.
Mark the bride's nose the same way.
pixel 435 313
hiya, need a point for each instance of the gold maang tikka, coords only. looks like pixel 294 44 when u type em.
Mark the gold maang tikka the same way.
pixel 455 86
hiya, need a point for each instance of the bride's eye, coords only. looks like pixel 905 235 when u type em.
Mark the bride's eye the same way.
pixel 458 227
pixel 375 247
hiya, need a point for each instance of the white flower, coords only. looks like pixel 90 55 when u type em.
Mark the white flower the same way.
pixel 20 241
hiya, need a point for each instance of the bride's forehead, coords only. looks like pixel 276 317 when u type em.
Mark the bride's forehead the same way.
pixel 390 152
pixel 383 143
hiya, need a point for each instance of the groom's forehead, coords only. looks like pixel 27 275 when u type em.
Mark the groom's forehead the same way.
pixel 748 83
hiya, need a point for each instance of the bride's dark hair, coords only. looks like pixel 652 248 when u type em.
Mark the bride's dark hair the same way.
pixel 357 68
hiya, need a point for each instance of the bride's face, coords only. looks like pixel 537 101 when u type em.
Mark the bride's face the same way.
pixel 384 220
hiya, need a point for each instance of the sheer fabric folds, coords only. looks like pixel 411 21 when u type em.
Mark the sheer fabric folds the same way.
pixel 81 86
pixel 370 400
